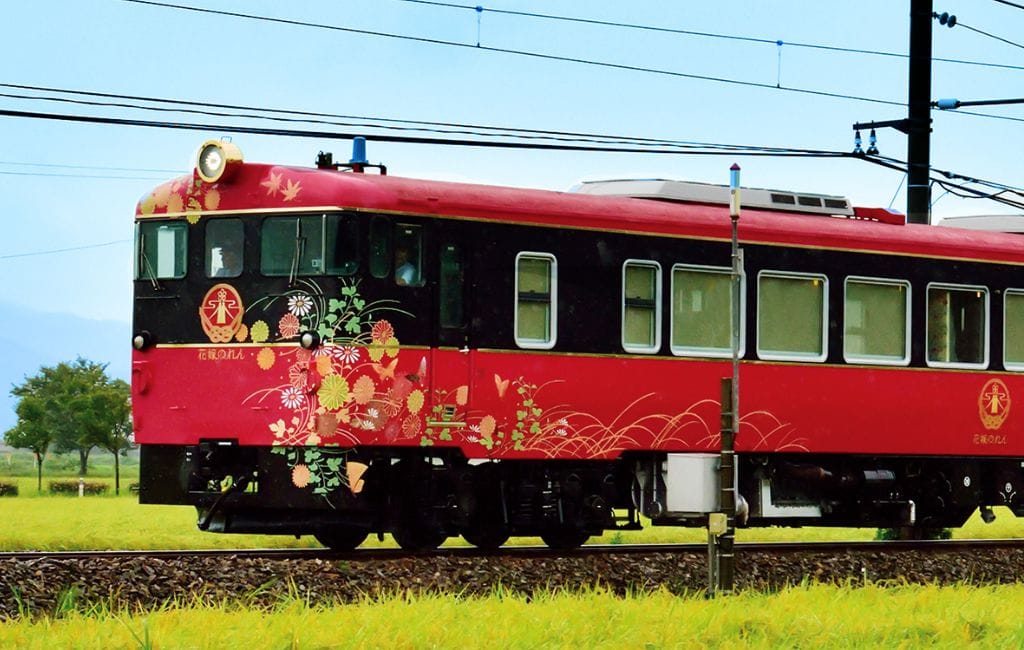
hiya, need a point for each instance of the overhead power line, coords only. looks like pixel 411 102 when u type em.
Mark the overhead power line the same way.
pixel 732 150
pixel 65 250
pixel 1010 4
pixel 479 9
pixel 170 106
pixel 550 57
pixel 992 36
pixel 524 53
pixel 505 143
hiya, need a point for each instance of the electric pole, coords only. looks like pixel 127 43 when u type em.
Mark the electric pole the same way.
pixel 919 112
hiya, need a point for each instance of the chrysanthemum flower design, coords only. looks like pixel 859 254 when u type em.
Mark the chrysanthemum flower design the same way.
pixel 259 332
pixel 292 397
pixel 363 390
pixel 333 392
pixel 381 332
pixel 298 375
pixel 346 354
pixel 288 326
pixel 300 304
pixel 300 476
pixel 415 401
pixel 411 426
pixel 265 358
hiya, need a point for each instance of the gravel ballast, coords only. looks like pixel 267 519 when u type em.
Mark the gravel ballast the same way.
pixel 46 586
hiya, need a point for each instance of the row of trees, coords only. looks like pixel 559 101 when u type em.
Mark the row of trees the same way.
pixel 72 407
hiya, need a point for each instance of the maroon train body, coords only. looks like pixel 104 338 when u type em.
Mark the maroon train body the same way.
pixel 335 353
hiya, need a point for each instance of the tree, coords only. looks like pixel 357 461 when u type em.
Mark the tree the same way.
pixel 75 404
pixel 110 411
pixel 29 434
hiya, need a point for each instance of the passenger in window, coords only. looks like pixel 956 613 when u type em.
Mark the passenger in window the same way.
pixel 230 263
pixel 406 272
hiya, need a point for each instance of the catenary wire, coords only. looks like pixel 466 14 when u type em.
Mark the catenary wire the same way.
pixel 551 57
pixel 424 125
pixel 686 32
pixel 989 35
pixel 525 53
pixel 65 250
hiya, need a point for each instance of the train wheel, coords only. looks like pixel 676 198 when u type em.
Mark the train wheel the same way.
pixel 564 539
pixel 341 538
pixel 414 539
pixel 487 538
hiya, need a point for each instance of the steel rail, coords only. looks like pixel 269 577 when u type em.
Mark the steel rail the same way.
pixel 381 554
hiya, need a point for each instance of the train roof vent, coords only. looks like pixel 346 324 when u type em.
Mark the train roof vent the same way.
pixel 1013 223
pixel 690 192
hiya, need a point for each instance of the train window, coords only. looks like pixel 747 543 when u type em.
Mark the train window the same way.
pixel 342 250
pixel 957 328
pixel 641 306
pixel 450 287
pixel 1013 329
pixel 380 247
pixel 224 244
pixel 536 300
pixel 792 316
pixel 702 311
pixel 292 245
pixel 162 250
pixel 877 321
pixel 408 255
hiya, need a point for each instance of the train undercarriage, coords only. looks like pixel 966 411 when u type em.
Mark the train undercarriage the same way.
pixel 423 496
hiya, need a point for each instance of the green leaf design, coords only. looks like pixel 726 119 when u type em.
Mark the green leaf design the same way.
pixel 335 305
pixel 352 326
pixel 348 291
pixel 520 415
pixel 358 304
pixel 331 318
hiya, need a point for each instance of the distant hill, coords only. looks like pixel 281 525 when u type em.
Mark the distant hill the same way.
pixel 31 339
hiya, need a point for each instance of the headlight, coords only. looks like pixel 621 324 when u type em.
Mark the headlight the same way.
pixel 217 160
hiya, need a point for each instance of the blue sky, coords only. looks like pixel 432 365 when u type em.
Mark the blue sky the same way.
pixel 124 48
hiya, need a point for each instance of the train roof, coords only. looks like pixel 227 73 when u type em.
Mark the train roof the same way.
pixel 262 188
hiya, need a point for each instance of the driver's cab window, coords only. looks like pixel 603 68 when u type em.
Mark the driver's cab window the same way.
pixel 224 242
pixel 162 248
pixel 408 245
pixel 292 246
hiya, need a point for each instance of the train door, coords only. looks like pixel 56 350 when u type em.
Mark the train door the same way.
pixel 451 356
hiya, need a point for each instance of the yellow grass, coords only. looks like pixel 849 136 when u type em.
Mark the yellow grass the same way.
pixel 804 616
pixel 107 522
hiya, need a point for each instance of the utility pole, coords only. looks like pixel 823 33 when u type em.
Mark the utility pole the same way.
pixel 919 112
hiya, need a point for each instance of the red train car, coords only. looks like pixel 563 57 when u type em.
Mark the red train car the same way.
pixel 333 353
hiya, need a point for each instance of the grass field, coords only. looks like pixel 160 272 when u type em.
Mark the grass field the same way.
pixel 811 616
pixel 46 522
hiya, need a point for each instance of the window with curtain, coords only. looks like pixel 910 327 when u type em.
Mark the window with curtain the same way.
pixel 536 294
pixel 876 323
pixel 1013 329
pixel 792 313
pixel 957 326
pixel 641 306
pixel 702 311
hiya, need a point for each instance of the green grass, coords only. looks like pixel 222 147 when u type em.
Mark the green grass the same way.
pixel 46 522
pixel 811 616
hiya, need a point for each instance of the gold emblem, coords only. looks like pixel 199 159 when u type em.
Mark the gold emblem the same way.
pixel 994 404
pixel 221 313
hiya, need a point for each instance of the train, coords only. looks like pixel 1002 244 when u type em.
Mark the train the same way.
pixel 340 352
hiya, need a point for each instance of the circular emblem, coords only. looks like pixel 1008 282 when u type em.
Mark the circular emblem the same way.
pixel 221 313
pixel 994 404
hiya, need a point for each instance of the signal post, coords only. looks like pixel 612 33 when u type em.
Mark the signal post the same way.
pixel 722 524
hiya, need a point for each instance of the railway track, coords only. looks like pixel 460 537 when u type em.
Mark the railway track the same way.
pixel 381 554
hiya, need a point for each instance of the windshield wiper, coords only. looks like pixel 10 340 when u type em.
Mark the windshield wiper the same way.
pixel 147 267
